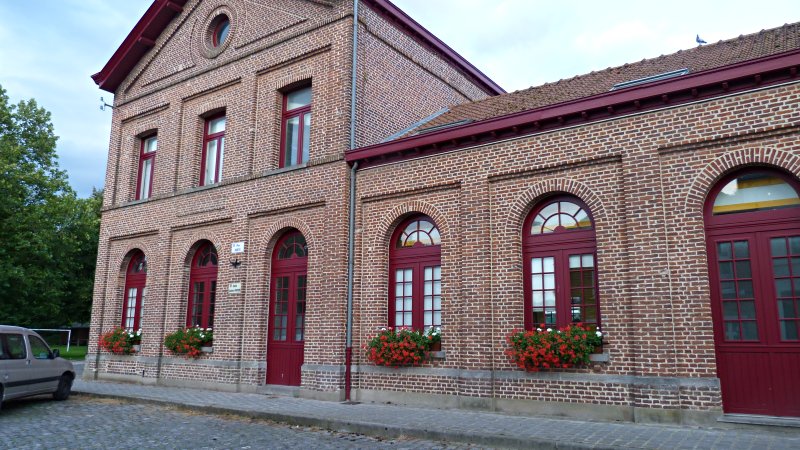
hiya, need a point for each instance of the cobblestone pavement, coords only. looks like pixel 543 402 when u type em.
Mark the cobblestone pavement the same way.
pixel 483 429
pixel 90 423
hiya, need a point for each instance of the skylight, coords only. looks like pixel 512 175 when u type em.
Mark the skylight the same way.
pixel 443 126
pixel 650 79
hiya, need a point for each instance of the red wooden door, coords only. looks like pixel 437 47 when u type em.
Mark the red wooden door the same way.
pixel 754 268
pixel 287 310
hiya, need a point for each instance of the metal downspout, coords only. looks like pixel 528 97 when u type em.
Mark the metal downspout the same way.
pixel 348 351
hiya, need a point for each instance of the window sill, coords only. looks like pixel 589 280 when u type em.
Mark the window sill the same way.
pixel 437 355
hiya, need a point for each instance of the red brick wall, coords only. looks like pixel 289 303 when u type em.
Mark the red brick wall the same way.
pixel 644 178
pixel 272 46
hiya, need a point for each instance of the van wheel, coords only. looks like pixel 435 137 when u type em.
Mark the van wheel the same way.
pixel 64 388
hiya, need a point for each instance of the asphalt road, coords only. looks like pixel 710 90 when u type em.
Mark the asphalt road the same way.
pixel 88 423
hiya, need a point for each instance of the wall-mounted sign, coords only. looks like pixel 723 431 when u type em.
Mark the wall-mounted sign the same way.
pixel 235 288
pixel 237 247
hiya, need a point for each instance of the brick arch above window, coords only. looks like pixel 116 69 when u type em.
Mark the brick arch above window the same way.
pixel 279 229
pixel 728 163
pixel 400 213
pixel 534 195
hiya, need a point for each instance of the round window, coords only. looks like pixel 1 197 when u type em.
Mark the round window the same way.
pixel 220 31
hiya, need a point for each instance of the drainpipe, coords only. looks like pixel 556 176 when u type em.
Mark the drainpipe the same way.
pixel 351 239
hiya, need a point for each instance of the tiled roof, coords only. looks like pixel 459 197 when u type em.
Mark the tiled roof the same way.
pixel 705 57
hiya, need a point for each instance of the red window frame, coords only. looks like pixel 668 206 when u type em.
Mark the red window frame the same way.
pixel 143 157
pixel 203 272
pixel 560 244
pixel 215 41
pixel 414 260
pixel 209 137
pixel 286 115
pixel 135 278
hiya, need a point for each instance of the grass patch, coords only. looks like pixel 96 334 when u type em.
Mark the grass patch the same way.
pixel 75 353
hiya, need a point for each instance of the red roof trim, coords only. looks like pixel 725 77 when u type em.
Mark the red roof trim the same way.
pixel 161 12
pixel 141 39
pixel 739 77
pixel 424 37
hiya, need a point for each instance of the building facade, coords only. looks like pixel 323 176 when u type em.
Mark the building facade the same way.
pixel 657 200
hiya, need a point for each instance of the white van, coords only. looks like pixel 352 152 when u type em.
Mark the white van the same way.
pixel 28 366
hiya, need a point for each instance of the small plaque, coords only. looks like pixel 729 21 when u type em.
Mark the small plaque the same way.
pixel 235 288
pixel 237 247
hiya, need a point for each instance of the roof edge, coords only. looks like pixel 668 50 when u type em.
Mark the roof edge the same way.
pixel 141 38
pixel 420 34
pixel 746 75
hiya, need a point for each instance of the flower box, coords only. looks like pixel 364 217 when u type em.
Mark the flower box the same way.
pixel 565 347
pixel 403 347
pixel 190 342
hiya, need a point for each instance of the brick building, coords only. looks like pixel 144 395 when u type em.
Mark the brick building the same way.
pixel 657 200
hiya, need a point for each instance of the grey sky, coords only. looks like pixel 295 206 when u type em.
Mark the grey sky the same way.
pixel 51 47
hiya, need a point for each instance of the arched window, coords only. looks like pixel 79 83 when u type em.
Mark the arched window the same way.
pixel 559 251
pixel 135 292
pixel 752 220
pixel 415 275
pixel 202 287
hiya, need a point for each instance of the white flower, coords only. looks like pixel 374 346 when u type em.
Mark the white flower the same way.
pixel 558 331
pixel 139 333
pixel 538 329
pixel 598 333
pixel 208 329
pixel 549 330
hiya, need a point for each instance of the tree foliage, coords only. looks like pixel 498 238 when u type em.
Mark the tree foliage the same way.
pixel 48 236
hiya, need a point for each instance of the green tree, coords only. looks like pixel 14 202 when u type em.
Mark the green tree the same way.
pixel 47 234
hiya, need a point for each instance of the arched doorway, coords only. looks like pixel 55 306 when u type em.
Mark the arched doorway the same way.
pixel 559 263
pixel 203 287
pixel 415 275
pixel 287 311
pixel 135 292
pixel 753 236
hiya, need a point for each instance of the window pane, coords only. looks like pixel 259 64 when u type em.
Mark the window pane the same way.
pixel 786 309
pixel 755 192
pixel 587 260
pixel 536 265
pixel 724 250
pixel 778 246
pixel 783 287
pixel 741 249
pixel 569 208
pixel 789 330
pixel 209 176
pixel 306 135
pixel 16 346
pixel 216 126
pixel 780 266
pixel 743 269
pixel 730 311
pixel 144 183
pixel 150 145
pixel 726 270
pixel 748 310
pixel 298 98
pixel 749 331
pixel 39 349
pixel 291 143
pixel 732 332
